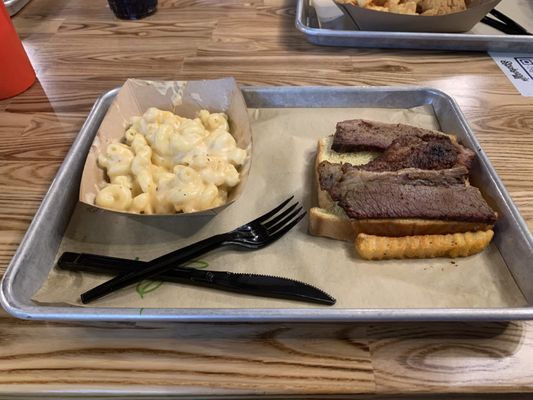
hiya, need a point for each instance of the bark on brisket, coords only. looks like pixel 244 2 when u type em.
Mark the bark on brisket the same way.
pixel 430 151
pixel 358 134
pixel 405 146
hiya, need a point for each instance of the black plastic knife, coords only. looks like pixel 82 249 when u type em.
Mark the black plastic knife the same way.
pixel 254 284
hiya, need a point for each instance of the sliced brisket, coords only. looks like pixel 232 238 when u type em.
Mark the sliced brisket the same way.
pixel 409 193
pixel 404 146
pixel 431 152
pixel 392 200
pixel 330 174
pixel 420 174
pixel 358 134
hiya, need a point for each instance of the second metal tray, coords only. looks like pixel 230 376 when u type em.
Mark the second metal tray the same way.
pixel 35 257
pixel 344 34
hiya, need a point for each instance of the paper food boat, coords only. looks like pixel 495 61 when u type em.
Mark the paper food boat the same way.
pixel 184 98
pixel 372 20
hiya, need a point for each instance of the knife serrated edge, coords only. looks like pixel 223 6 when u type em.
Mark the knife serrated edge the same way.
pixel 327 295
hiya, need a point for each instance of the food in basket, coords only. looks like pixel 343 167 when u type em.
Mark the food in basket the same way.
pixel 411 7
pixel 166 164
pixel 413 185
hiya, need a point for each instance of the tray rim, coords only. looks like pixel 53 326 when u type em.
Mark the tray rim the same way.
pixel 14 6
pixel 314 314
pixel 412 36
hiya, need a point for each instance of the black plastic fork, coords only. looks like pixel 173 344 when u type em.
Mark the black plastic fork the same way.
pixel 254 235
pixel 504 24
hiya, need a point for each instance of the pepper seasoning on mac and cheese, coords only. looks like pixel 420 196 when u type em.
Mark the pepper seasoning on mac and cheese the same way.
pixel 171 164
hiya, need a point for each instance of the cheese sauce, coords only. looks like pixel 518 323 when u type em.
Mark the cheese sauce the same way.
pixel 171 164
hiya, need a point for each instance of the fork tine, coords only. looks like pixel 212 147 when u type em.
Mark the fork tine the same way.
pixel 271 213
pixel 274 219
pixel 275 236
pixel 277 224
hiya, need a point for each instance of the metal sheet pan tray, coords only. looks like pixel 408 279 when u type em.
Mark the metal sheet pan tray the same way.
pixel 14 6
pixel 35 257
pixel 343 32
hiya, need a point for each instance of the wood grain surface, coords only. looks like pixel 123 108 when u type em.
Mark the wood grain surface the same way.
pixel 79 51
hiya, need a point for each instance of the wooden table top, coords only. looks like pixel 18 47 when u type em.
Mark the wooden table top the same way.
pixel 80 50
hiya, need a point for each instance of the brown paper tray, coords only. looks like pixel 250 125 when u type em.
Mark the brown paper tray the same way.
pixel 182 98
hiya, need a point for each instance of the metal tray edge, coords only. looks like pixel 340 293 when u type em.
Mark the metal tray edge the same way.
pixel 518 219
pixel 281 315
pixel 7 300
pixel 14 6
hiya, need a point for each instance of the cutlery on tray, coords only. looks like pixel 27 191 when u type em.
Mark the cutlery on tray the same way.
pixel 254 284
pixel 504 24
pixel 253 235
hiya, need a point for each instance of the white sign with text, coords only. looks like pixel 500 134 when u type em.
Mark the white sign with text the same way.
pixel 518 68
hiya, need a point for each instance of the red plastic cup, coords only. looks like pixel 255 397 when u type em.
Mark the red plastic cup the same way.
pixel 16 72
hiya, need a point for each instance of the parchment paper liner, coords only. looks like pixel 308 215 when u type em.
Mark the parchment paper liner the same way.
pixel 285 142
pixel 184 98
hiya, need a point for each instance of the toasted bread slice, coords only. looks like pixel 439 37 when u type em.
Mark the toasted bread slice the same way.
pixel 328 224
pixel 414 226
pixel 333 223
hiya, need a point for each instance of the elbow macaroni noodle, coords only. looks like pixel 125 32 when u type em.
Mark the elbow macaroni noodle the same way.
pixel 171 164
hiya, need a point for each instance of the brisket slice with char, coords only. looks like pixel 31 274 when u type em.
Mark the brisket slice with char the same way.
pixel 432 152
pixel 358 134
pixel 435 195
pixel 431 149
pixel 330 174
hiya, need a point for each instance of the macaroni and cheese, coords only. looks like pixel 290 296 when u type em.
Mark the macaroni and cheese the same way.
pixel 170 164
